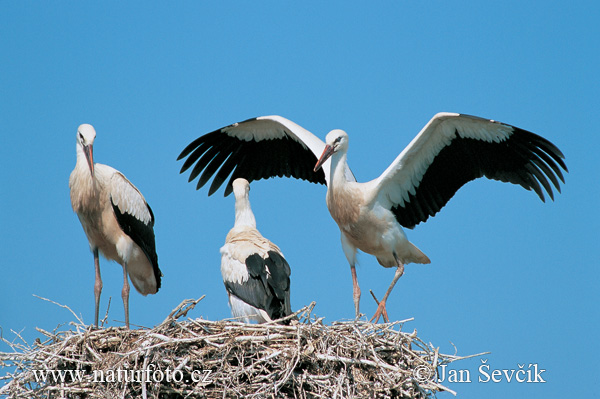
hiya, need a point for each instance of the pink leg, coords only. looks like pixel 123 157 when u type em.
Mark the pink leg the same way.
pixel 97 285
pixel 381 310
pixel 355 290
pixel 125 294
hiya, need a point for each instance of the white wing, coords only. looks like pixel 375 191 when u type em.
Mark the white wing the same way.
pixel 134 217
pixel 453 149
pixel 129 199
pixel 255 272
pixel 254 149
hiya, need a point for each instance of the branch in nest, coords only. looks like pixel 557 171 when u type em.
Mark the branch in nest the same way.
pixel 305 359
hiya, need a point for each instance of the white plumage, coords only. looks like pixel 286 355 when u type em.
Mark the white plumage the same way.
pixel 116 219
pixel 255 273
pixel 451 150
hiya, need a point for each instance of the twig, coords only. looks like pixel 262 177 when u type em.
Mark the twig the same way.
pixel 105 319
pixel 374 297
pixel 306 359
pixel 62 306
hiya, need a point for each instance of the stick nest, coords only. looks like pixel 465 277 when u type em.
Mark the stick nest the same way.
pixel 220 359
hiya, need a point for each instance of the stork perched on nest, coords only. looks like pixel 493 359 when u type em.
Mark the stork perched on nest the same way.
pixel 255 273
pixel 451 150
pixel 116 219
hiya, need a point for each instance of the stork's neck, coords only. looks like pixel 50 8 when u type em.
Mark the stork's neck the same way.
pixel 84 187
pixel 81 159
pixel 82 162
pixel 337 175
pixel 83 175
pixel 243 213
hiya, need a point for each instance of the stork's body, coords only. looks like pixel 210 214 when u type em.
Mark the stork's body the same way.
pixel 255 273
pixel 117 221
pixel 364 223
pixel 451 150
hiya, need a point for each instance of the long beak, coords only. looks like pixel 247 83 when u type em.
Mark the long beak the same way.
pixel 89 155
pixel 327 152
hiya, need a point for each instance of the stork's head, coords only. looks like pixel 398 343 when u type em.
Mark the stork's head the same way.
pixel 85 140
pixel 335 141
pixel 241 188
pixel 244 217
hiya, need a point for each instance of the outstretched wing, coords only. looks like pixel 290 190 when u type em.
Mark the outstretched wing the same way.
pixel 258 148
pixel 453 149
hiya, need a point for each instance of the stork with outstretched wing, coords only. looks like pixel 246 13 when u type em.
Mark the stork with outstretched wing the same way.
pixel 451 150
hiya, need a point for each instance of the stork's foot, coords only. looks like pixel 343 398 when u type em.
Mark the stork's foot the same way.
pixel 381 311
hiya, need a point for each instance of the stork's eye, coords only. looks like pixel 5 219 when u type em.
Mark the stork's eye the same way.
pixel 337 140
pixel 80 136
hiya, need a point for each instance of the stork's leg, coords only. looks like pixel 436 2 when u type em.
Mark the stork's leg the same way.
pixel 125 294
pixel 381 311
pixel 97 285
pixel 350 252
pixel 355 290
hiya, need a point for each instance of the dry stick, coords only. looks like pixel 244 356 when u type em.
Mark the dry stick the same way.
pixel 62 306
pixel 145 367
pixel 182 309
pixel 105 319
pixel 249 360
pixel 374 297
pixel 307 309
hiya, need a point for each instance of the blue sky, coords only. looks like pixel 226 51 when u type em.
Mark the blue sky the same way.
pixel 509 274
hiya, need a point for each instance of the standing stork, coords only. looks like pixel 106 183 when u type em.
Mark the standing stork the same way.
pixel 255 273
pixel 451 150
pixel 116 219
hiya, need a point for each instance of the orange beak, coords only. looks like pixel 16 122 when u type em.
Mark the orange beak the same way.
pixel 327 152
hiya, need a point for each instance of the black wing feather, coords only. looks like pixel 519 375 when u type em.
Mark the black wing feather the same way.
pixel 524 158
pixel 228 166
pixel 252 160
pixel 142 234
pixel 268 291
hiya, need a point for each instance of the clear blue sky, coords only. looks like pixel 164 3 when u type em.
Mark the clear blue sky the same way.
pixel 509 274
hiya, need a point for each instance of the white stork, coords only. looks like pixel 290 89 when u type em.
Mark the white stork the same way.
pixel 451 150
pixel 255 273
pixel 116 219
